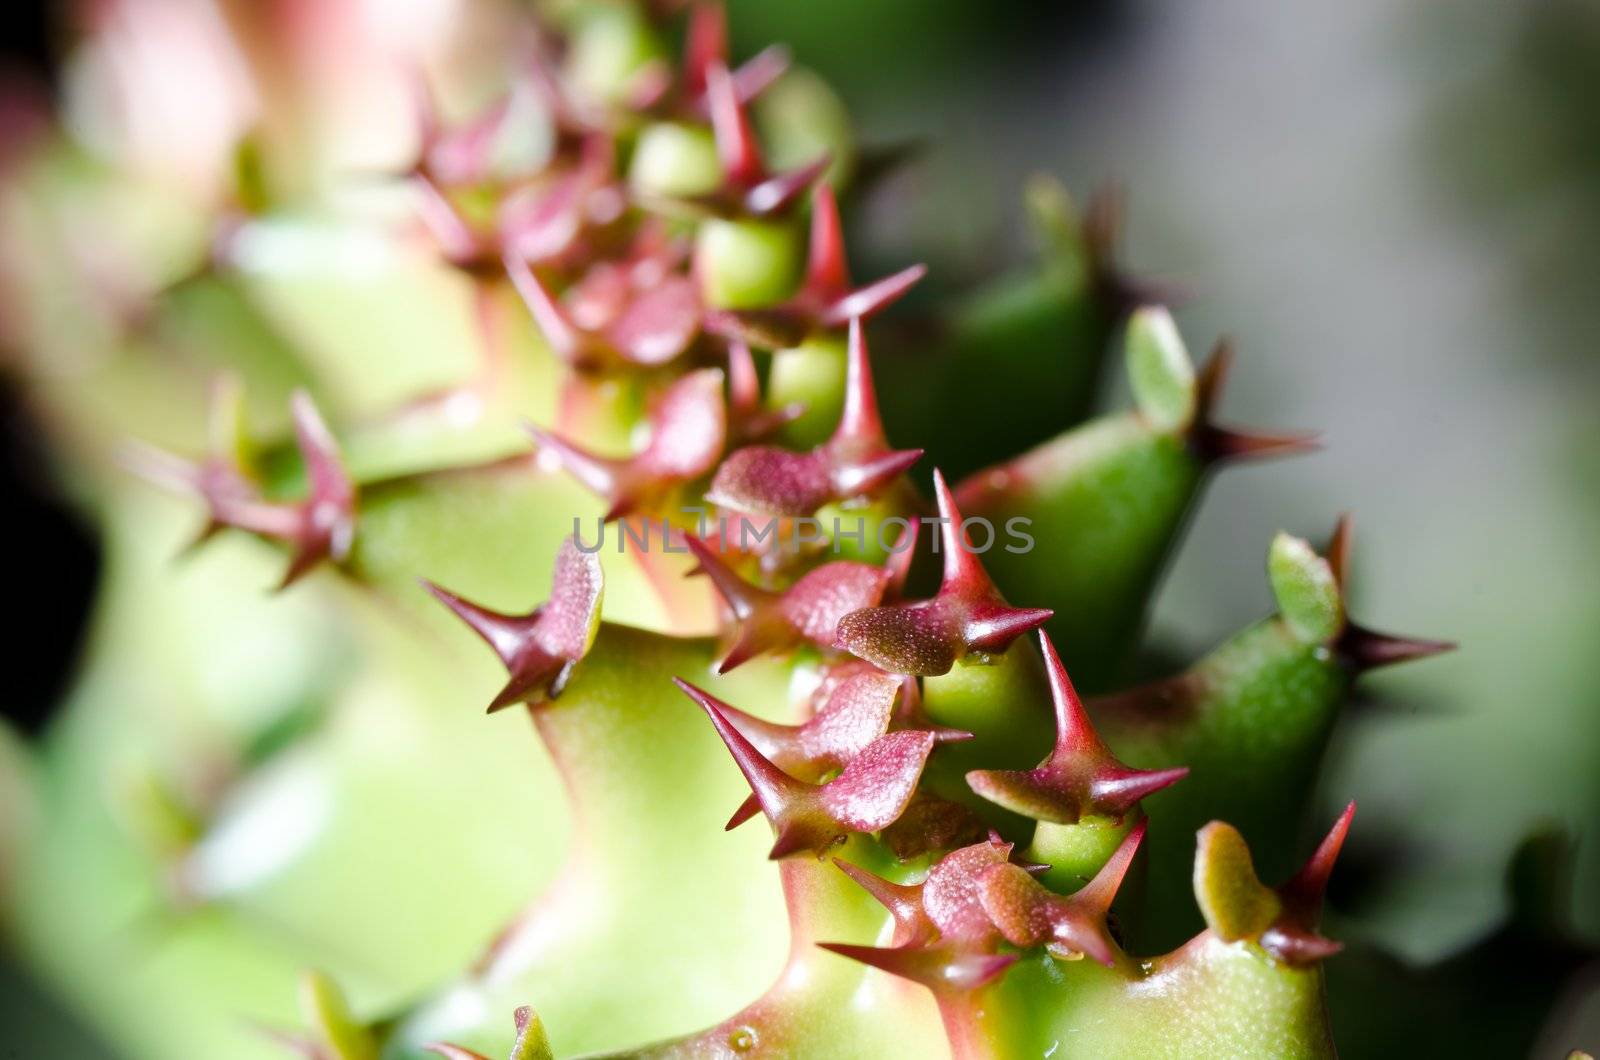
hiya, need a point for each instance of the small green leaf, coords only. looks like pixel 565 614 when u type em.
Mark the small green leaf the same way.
pixel 532 1042
pixel 1306 590
pixel 328 1013
pixel 250 185
pixel 226 427
pixel 1160 370
pixel 1052 213
pixel 1235 903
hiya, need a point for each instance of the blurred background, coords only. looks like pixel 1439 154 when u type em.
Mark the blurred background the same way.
pixel 1393 207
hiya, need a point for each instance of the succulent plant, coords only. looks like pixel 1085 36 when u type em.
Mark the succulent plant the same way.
pixel 748 609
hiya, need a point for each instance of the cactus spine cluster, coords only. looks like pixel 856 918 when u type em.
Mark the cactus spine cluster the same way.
pixel 676 497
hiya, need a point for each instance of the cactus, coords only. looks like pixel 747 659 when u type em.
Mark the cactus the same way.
pixel 659 487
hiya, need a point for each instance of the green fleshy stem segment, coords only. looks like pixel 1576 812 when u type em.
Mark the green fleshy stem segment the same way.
pixel 870 532
pixel 516 517
pixel 1105 504
pixel 1075 852
pixel 1209 999
pixel 649 783
pixel 1251 721
pixel 1003 701
pixel 748 263
pixel 1027 350
pixel 824 1003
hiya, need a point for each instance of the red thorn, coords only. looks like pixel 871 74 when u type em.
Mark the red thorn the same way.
pixel 1293 937
pixel 827 272
pixel 736 144
pixel 1359 648
pixel 330 483
pixel 538 649
pixel 600 475
pixel 968 614
pixel 1363 649
pixel 963 573
pixel 1222 443
pixel 903 901
pixel 1213 378
pixel 424 111
pixel 748 421
pixel 455 238
pixel 160 468
pixel 744 384
pixel 562 335
pixel 1120 292
pixel 825 300
pixel 1129 790
pixel 752 641
pixel 218 482
pixel 506 634
pixel 868 795
pixel 742 598
pixel 1305 891
pixel 688 428
pixel 873 298
pixel 1080 776
pixel 749 808
pixel 1074 733
pixel 452 1052
pixel 705 44
pixel 992 627
pixel 940 969
pixel 762 626
pixel 1030 915
pixel 872 475
pixel 780 191
pixel 991 624
pixel 1339 549
pixel 1098 894
pixel 901 556
pixel 1215 443
pixel 325 520
pixel 778 793
pixel 860 422
pixel 758 72
pixel 854 462
pixel 855 713
pixel 320 526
